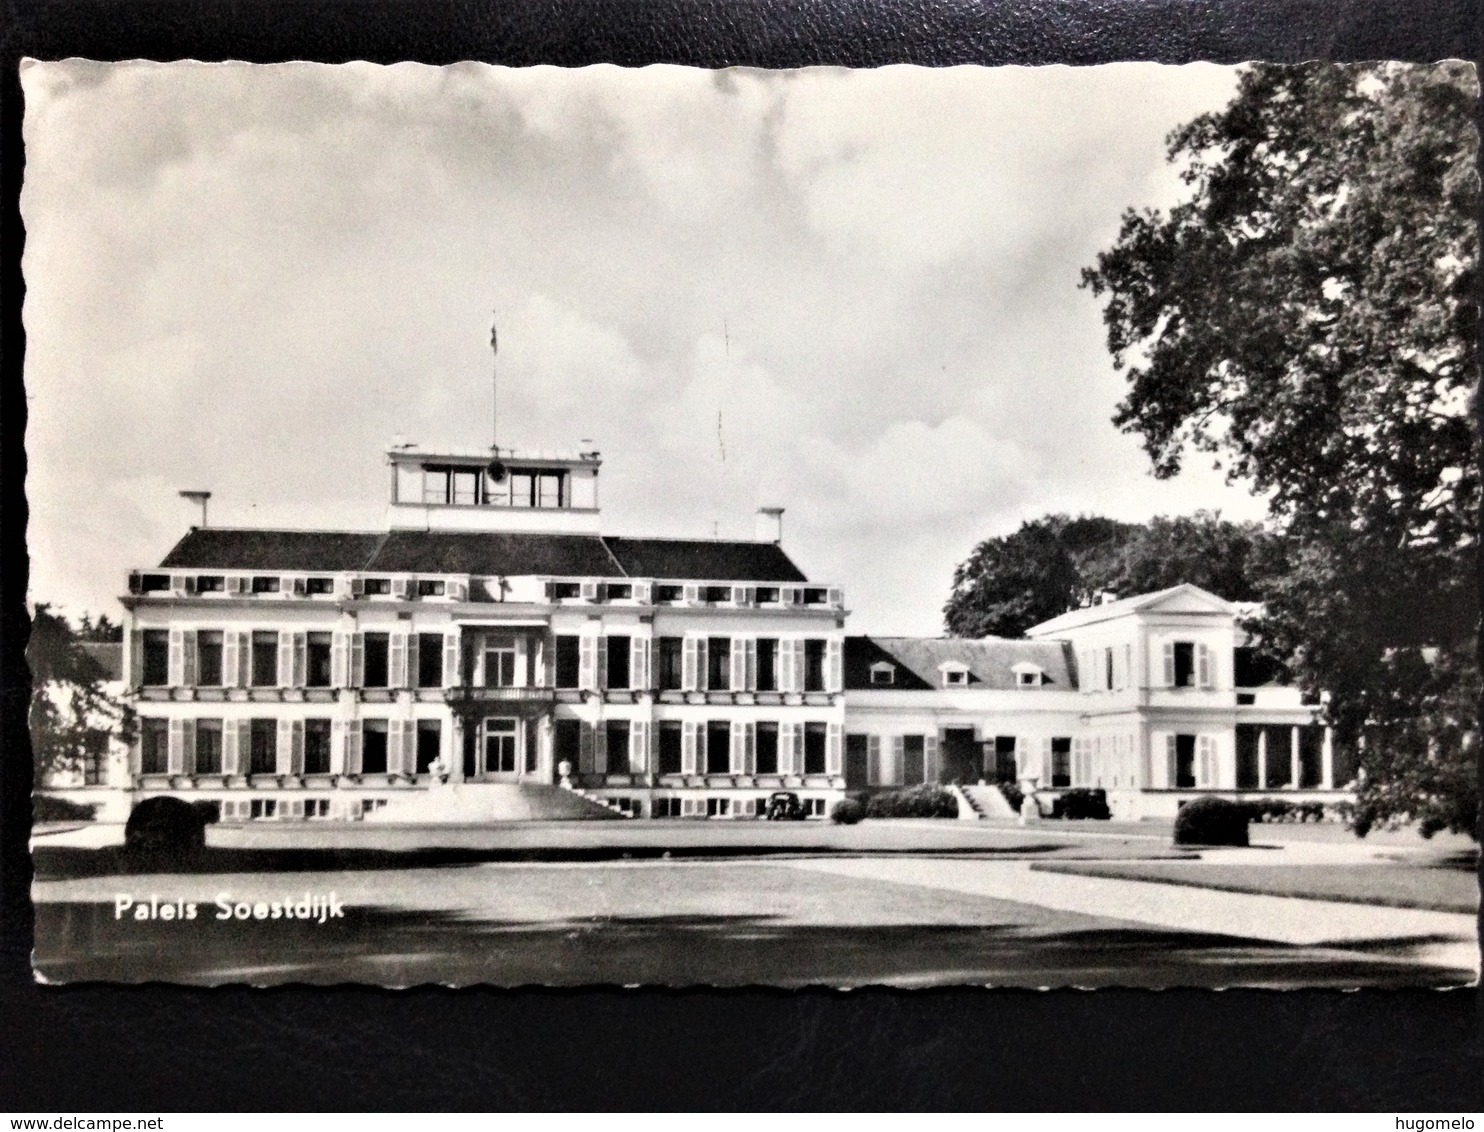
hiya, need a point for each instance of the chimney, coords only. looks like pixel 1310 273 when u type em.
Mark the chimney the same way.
pixel 769 526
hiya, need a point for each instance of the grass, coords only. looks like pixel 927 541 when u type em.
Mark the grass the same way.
pixel 1391 886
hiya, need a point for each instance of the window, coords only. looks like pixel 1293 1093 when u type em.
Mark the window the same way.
pixel 316 746
pixel 1251 669
pixel 767 748
pixel 435 485
pixel 1184 762
pixel 549 489
pixel 666 808
pixel 1004 768
pixel 814 745
pixel 154 583
pixel 154 745
pixel 1184 664
pixel 1108 669
pixel 718 807
pixel 262 746
pixel 522 487
pixel 568 661
pixel 1028 679
pixel 499 662
pixel 618 662
pixel 814 666
pixel 264 585
pixel 718 663
pixel 716 593
pixel 208 746
pixel 913 750
pixel 429 744
pixel 319 585
pixel 466 487
pixel 210 584
pixel 816 596
pixel 429 660
pixel 264 808
pixel 670 744
pixel 616 733
pixel 375 670
pixel 767 594
pixel 375 587
pixel 431 587
pixel 209 658
pixel 264 659
pixel 1246 757
pixel 1061 762
pixel 670 663
pixel 565 591
pixel 718 747
pixel 883 673
pixel 767 664
pixel 499 746
pixel 317 659
pixel 567 742
pixel 373 746
pixel 156 645
pixel 620 592
pixel 669 593
pixel 955 676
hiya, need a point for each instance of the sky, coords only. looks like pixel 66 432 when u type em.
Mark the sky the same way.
pixel 851 294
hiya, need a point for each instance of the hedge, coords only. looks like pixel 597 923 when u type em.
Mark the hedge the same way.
pixel 926 801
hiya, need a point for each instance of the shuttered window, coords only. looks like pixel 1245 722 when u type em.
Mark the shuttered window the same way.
pixel 766 756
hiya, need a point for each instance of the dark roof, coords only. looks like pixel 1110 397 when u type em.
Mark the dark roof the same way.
pixel 990 661
pixel 225 548
pixel 490 553
pixel 704 559
pixel 482 553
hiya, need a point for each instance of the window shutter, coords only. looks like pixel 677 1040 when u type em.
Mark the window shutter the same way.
pixel 414 656
pixel 401 588
pixel 873 760
pixel 833 761
pixel 639 746
pixel 397 661
pixel 585 748
pixel 176 659
pixel 930 758
pixel 783 660
pixel 738 664
pixel 298 587
pixel 340 660
pixel 452 676
pixel 749 664
pixel 230 750
pixel 1128 667
pixel 688 665
pixel 353 746
pixel 136 659
pixel 190 668
pixel 639 662
pixel 834 658
pixel 643 592
pixel 283 752
pixel 600 748
pixel 737 749
pixel 692 594
pixel 587 662
pixel 703 664
pixel 589 591
pixel 337 747
pixel 357 586
pixel 688 747
pixel 236 584
pixel 1207 761
pixel 357 662
pixel 296 748
pixel 837 597
pixel 896 773
pixel 1169 664
pixel 1204 675
pixel 458 589
pixel 285 659
pixel 796 748
pixel 175 747
pixel 749 747
pixel 1169 761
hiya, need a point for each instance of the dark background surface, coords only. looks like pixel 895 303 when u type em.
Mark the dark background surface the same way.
pixel 160 1048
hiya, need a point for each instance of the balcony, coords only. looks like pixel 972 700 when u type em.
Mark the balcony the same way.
pixel 512 700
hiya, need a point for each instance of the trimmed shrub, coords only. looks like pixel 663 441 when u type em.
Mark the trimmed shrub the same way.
pixel 164 826
pixel 1211 821
pixel 926 801
pixel 847 812
pixel 46 808
pixel 1082 803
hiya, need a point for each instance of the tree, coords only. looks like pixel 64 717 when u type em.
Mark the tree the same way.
pixel 73 718
pixel 1054 564
pixel 1310 316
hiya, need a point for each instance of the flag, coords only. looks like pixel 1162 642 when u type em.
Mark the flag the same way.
pixel 494 345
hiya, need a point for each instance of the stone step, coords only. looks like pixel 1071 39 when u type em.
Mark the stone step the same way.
pixel 465 803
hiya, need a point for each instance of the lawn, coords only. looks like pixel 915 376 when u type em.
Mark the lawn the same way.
pixel 1394 886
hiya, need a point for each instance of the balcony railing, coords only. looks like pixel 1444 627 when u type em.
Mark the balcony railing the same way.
pixel 502 695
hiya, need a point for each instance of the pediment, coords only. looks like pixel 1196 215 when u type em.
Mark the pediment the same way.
pixel 1187 599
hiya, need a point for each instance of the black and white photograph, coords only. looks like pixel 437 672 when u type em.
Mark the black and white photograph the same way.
pixel 679 527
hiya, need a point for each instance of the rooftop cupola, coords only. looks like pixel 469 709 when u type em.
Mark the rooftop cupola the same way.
pixel 476 491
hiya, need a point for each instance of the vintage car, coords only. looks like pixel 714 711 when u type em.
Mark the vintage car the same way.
pixel 784 805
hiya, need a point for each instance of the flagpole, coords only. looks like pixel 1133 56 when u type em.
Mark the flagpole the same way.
pixel 494 388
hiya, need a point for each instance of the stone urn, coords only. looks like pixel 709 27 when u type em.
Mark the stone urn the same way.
pixel 564 769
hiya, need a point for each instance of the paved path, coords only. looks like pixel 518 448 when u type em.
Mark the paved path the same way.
pixel 1433 937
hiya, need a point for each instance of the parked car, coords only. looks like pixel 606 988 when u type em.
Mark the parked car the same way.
pixel 1077 803
pixel 784 805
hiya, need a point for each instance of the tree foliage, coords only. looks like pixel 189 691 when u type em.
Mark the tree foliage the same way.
pixel 72 717
pixel 1054 564
pixel 1310 315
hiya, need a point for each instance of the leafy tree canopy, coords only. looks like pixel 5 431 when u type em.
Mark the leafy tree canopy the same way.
pixel 1310 315
pixel 72 717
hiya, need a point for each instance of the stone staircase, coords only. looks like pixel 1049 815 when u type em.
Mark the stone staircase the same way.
pixel 983 802
pixel 475 803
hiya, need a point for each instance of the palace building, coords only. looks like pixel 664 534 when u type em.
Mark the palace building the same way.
pixel 492 655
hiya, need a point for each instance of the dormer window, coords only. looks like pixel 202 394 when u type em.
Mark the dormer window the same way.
pixel 1028 675
pixel 955 675
pixel 883 673
pixel 431 587
pixel 378 586
pixel 767 595
pixel 265 585
pixel 1027 679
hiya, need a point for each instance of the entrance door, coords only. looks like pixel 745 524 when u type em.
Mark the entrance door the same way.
pixel 499 750
pixel 960 755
